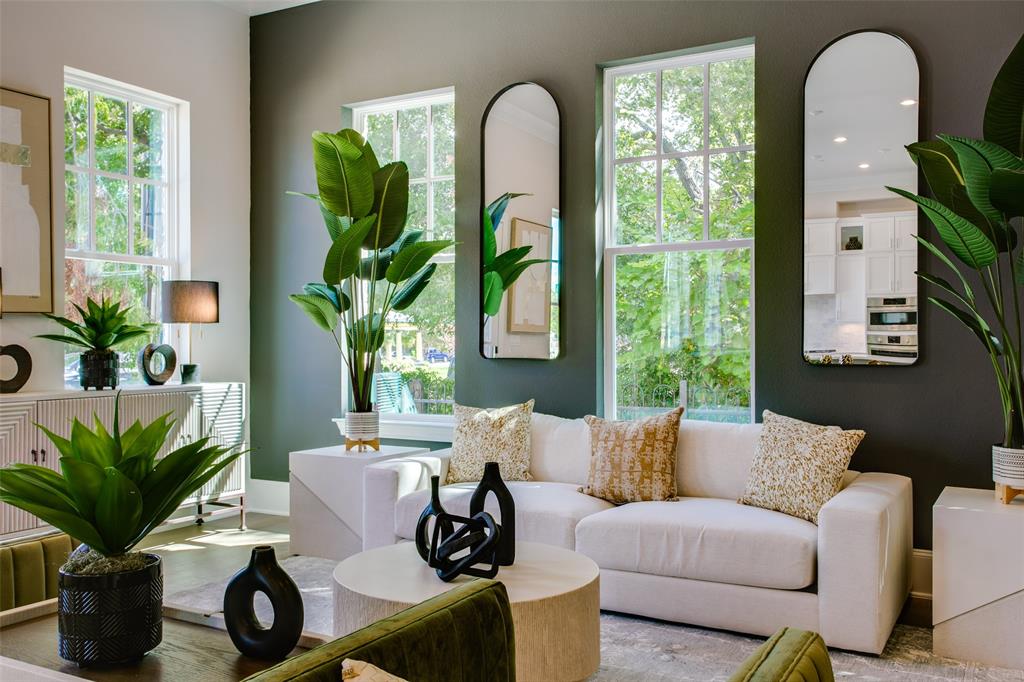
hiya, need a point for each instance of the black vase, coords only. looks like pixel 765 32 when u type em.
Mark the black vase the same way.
pixel 432 509
pixel 97 369
pixel 492 483
pixel 263 574
pixel 111 618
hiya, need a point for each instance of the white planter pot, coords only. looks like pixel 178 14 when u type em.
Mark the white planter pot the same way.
pixel 362 426
pixel 1008 466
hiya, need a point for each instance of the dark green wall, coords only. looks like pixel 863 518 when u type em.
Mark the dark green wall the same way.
pixel 934 421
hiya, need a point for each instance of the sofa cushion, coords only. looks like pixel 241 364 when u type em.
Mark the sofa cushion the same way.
pixel 713 459
pixel 545 512
pixel 560 449
pixel 703 539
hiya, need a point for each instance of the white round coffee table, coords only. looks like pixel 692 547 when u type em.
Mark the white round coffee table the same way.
pixel 554 593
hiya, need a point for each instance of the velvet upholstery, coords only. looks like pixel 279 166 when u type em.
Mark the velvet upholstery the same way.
pixel 28 570
pixel 463 635
pixel 788 656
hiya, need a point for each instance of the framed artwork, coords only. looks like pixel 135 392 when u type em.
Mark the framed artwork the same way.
pixel 529 299
pixel 26 228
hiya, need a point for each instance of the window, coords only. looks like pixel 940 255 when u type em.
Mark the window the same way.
pixel 120 194
pixel 679 235
pixel 417 369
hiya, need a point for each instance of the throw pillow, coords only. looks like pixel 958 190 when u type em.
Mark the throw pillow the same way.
pixel 633 461
pixel 798 466
pixel 500 435
pixel 361 671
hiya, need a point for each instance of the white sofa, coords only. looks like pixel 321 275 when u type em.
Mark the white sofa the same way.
pixel 703 560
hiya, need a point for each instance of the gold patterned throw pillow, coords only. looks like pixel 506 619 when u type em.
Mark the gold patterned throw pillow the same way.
pixel 633 461
pixel 798 466
pixel 500 435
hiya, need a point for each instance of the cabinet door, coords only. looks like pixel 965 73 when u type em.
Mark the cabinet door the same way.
pixel 878 267
pixel 19 442
pixel 851 297
pixel 906 265
pixel 878 233
pixel 60 415
pixel 223 420
pixel 820 275
pixel 905 229
pixel 819 237
pixel 146 407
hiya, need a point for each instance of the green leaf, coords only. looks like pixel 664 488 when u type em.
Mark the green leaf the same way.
pixel 318 309
pixel 390 203
pixel 977 160
pixel 366 337
pixel 88 447
pixel 509 278
pixel 63 444
pixel 65 339
pixel 150 439
pixel 343 176
pixel 412 288
pixel 1004 112
pixel 343 257
pixel 963 238
pixel 941 169
pixel 72 524
pixel 509 258
pixel 490 242
pixel 339 301
pixel 385 256
pixel 972 322
pixel 84 481
pixel 496 209
pixel 27 483
pixel 493 292
pixel 1007 191
pixel 118 510
pixel 413 258
pixel 945 259
pixel 173 468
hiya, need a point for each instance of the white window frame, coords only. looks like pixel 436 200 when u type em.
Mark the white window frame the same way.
pixel 176 182
pixel 608 245
pixel 431 427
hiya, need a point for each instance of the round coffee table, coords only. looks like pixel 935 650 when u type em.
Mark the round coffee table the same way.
pixel 554 594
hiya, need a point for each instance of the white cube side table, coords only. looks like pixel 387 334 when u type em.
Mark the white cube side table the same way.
pixel 978 578
pixel 325 498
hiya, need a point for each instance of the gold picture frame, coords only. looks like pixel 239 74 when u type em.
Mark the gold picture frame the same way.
pixel 529 298
pixel 26 223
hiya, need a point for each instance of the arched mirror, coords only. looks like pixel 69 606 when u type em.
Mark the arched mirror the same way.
pixel 861 109
pixel 521 225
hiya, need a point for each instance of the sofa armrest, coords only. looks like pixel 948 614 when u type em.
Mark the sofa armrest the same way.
pixel 865 541
pixel 384 483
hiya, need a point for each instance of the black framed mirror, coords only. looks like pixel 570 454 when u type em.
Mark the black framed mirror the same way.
pixel 521 224
pixel 861 108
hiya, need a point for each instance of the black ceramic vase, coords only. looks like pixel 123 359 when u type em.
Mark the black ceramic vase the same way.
pixel 432 510
pixel 492 483
pixel 263 574
pixel 111 618
pixel 97 369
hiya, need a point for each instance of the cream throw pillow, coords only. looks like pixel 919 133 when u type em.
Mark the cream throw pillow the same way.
pixel 798 466
pixel 361 671
pixel 633 461
pixel 500 435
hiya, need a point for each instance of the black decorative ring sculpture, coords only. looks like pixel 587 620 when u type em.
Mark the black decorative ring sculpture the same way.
pixel 263 574
pixel 145 368
pixel 23 361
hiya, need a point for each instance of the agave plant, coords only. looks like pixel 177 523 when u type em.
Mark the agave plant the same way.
pixel 104 326
pixel 500 271
pixel 112 491
pixel 978 189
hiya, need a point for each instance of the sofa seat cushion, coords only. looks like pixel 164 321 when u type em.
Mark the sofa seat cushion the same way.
pixel 703 539
pixel 545 512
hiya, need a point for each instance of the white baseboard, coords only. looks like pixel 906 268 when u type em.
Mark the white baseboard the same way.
pixel 266 497
pixel 921 574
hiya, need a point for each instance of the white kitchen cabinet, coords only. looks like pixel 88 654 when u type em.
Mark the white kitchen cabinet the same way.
pixel 851 296
pixel 819 274
pixel 905 227
pixel 820 237
pixel 906 267
pixel 878 269
pixel 878 233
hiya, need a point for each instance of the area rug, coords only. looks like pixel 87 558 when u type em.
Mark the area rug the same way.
pixel 632 649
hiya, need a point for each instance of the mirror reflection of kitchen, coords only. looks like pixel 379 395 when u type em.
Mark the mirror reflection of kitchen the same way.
pixel 860 254
pixel 521 226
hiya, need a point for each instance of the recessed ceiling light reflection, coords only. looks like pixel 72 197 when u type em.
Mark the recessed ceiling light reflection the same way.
pixel 839 139
pixel 863 165
pixel 908 102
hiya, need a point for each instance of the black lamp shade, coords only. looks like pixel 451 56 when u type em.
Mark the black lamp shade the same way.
pixel 190 301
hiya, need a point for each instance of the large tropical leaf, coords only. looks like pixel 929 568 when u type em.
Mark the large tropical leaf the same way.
pixel 88 447
pixel 343 176
pixel 390 204
pixel 937 252
pixel 496 209
pixel 973 322
pixel 414 257
pixel 977 160
pixel 1004 112
pixel 318 309
pixel 509 258
pixel 1007 191
pixel 412 288
pixel 964 239
pixel 490 242
pixel 383 257
pixel 343 256
pixel 84 480
pixel 359 141
pixel 509 277
pixel 339 301
pixel 27 485
pixel 492 294
pixel 118 510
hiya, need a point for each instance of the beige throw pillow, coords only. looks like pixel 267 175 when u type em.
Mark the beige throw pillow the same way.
pixel 500 435
pixel 361 671
pixel 633 461
pixel 798 466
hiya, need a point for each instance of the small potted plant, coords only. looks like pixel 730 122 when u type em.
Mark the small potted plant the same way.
pixel 110 493
pixel 103 328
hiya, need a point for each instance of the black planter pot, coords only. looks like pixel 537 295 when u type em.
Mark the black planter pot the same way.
pixel 492 483
pixel 433 509
pixel 263 574
pixel 97 369
pixel 110 618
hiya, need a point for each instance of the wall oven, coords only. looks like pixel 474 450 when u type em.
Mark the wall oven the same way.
pixel 892 326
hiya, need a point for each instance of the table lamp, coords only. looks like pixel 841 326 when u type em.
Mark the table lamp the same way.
pixel 190 302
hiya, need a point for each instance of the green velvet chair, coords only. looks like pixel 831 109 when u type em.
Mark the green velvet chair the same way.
pixel 28 569
pixel 463 635
pixel 788 656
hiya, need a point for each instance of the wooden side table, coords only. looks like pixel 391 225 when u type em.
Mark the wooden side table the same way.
pixel 978 578
pixel 325 489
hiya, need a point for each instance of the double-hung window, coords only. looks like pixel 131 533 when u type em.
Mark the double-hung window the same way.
pixel 416 374
pixel 121 196
pixel 679 235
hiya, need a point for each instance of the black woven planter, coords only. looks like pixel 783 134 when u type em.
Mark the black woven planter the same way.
pixel 110 618
pixel 97 369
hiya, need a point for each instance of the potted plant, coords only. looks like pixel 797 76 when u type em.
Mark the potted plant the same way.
pixel 978 189
pixel 373 266
pixel 103 328
pixel 500 271
pixel 110 493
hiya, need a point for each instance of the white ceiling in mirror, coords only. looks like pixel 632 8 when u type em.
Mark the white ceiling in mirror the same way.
pixel 530 108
